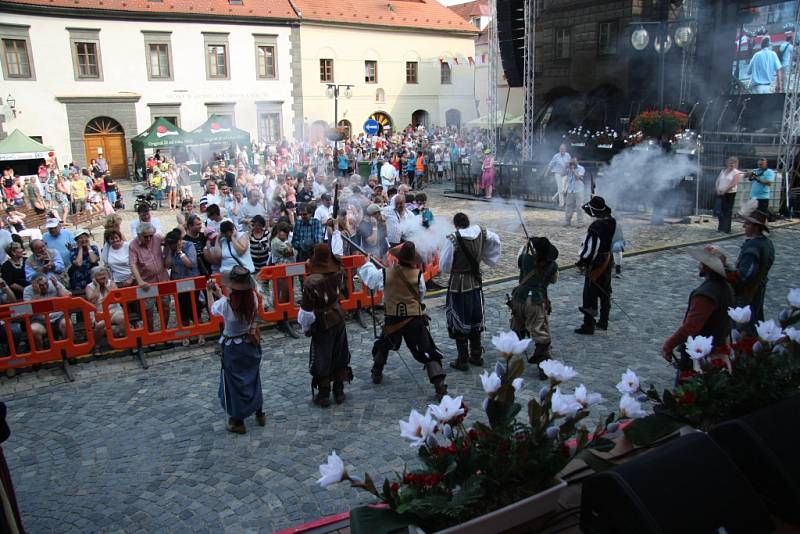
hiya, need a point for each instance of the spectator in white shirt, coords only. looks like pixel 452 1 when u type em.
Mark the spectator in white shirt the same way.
pixel 388 174
pixel 144 216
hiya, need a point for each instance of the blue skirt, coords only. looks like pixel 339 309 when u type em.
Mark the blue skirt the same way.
pixel 240 380
pixel 464 312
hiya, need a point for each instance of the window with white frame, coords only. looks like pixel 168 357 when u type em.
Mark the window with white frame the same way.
pixel 563 42
pixel 15 53
pixel 607 37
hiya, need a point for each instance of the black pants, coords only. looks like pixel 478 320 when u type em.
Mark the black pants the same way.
pixel 598 290
pixel 763 205
pixel 726 212
pixel 185 302
pixel 417 337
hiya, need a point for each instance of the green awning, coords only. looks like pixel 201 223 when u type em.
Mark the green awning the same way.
pixel 19 146
pixel 160 134
pixel 215 131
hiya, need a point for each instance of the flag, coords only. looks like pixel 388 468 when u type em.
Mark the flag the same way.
pixel 471 61
pixel 456 60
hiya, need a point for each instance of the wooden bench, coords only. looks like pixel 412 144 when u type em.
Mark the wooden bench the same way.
pixel 32 219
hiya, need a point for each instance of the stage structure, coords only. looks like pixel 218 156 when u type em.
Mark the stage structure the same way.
pixel 790 123
pixel 528 80
pixel 494 52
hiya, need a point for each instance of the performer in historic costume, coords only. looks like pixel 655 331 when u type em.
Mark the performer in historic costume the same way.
pixel 597 263
pixel 10 519
pixel 240 377
pixel 530 305
pixel 707 313
pixel 322 319
pixel 755 260
pixel 403 289
pixel 461 255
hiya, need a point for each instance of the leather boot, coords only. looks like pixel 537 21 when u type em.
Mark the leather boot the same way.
pixel 436 375
pixel 338 385
pixel 475 349
pixel 378 361
pixel 602 324
pixel 236 426
pixel 463 353
pixel 323 396
pixel 587 328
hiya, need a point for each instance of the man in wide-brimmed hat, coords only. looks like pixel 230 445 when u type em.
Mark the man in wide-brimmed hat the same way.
pixel 461 256
pixel 530 305
pixel 707 314
pixel 756 257
pixel 597 263
pixel 405 319
pixel 322 318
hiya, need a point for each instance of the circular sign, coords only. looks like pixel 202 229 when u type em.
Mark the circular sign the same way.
pixel 371 126
pixel 161 129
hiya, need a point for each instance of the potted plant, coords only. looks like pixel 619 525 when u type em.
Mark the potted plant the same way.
pixel 660 123
pixel 485 477
pixel 757 369
pixel 606 137
pixel 577 136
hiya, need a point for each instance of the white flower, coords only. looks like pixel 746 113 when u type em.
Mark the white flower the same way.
pixel 332 472
pixel 564 405
pixel 491 382
pixel 585 398
pixel 517 383
pixel 740 315
pixel 418 427
pixel 507 343
pixel 793 334
pixel 699 347
pixel 447 409
pixel 769 331
pixel 630 408
pixel 557 371
pixel 629 383
pixel 794 297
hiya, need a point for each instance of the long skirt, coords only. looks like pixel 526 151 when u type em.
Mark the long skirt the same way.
pixel 329 351
pixel 464 312
pixel 240 380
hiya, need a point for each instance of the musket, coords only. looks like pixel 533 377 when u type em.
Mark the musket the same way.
pixel 335 213
pixel 371 292
pixel 364 252
pixel 522 222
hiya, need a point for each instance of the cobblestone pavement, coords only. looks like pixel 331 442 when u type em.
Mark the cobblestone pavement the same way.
pixel 124 449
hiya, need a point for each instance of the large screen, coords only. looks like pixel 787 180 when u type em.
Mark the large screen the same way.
pixel 765 42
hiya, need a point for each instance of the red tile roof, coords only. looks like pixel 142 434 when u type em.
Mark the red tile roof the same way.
pixel 478 8
pixel 263 9
pixel 422 14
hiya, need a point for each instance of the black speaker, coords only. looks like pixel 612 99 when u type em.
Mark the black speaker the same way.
pixel 511 38
pixel 764 447
pixel 688 486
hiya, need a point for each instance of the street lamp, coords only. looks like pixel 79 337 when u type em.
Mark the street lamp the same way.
pixel 12 103
pixel 333 92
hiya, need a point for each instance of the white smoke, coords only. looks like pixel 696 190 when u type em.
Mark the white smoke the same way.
pixel 427 241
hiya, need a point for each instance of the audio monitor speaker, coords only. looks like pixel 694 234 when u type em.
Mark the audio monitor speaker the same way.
pixel 511 38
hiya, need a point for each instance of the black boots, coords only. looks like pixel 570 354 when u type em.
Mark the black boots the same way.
pixel 436 376
pixel 236 426
pixel 379 358
pixel 475 349
pixel 323 396
pixel 338 383
pixel 463 354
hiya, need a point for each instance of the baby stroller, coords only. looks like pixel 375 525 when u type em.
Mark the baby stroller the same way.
pixel 144 197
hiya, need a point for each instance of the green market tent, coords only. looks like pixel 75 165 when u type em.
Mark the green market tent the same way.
pixel 213 131
pixel 160 134
pixel 19 146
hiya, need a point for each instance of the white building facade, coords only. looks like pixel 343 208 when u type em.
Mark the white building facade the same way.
pixel 89 84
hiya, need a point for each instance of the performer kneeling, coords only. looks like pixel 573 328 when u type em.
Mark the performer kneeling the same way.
pixel 322 318
pixel 240 377
pixel 403 289
pixel 530 305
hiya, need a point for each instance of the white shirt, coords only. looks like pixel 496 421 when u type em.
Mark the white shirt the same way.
pixel 388 175
pixel 5 240
pixel 318 189
pixel 394 221
pixel 322 213
pixel 490 254
pixel 214 225
pixel 724 181
pixel 233 326
pixel 118 262
pixel 135 224
pixel 559 162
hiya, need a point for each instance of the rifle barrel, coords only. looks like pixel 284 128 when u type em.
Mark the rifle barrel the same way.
pixel 364 252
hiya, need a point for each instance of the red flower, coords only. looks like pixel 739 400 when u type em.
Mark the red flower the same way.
pixel 683 376
pixel 395 487
pixel 718 362
pixel 687 398
pixel 746 344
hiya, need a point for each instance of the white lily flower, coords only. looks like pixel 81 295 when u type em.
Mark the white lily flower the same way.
pixel 508 343
pixel 332 472
pixel 769 331
pixel 629 383
pixel 585 398
pixel 564 405
pixel 699 347
pixel 517 383
pixel 793 334
pixel 740 315
pixel 447 409
pixel 491 383
pixel 418 427
pixel 630 408
pixel 557 371
pixel 794 297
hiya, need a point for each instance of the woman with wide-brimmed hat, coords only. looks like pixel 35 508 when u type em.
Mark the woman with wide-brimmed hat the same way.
pixel 322 319
pixel 754 262
pixel 240 377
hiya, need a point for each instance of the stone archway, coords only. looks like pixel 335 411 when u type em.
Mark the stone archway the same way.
pixel 106 136
pixel 346 128
pixel 420 118
pixel 385 123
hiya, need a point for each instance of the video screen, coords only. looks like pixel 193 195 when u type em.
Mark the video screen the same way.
pixel 765 41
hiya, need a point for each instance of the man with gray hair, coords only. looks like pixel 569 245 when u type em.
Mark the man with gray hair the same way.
pixel 43 260
pixel 147 266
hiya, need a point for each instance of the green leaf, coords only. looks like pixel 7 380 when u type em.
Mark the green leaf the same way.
pixel 648 430
pixel 534 413
pixel 515 369
pixel 610 419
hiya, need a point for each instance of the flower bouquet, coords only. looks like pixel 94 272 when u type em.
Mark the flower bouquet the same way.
pixel 757 369
pixel 660 123
pixel 577 136
pixel 470 471
pixel 606 137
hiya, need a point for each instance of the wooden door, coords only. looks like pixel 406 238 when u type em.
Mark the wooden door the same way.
pixel 107 135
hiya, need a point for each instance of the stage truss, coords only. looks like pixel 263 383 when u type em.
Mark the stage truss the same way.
pixel 529 77
pixel 790 124
pixel 494 57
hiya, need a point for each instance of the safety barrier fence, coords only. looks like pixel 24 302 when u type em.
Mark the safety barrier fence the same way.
pixel 61 329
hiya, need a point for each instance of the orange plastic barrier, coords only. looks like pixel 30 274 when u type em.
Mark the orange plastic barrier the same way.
pixel 160 297
pixel 429 270
pixel 76 312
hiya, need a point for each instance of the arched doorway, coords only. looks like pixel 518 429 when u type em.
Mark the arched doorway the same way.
pixel 420 118
pixel 346 128
pixel 104 135
pixel 384 122
pixel 452 117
